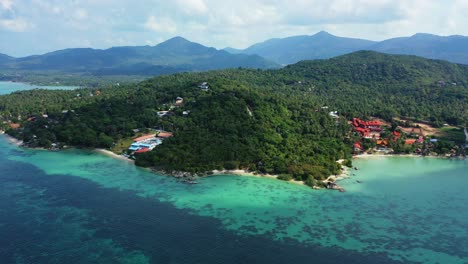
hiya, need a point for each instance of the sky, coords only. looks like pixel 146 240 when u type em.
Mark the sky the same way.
pixel 38 26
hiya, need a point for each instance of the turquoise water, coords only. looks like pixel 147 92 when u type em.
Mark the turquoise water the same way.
pixel 9 87
pixel 94 208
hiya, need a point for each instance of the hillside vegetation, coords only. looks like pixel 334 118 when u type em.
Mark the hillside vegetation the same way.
pixel 270 121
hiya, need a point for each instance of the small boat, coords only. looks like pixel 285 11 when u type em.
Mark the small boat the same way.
pixel 358 181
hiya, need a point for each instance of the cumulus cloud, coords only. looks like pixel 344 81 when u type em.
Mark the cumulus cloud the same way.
pixel 15 25
pixel 192 6
pixel 162 24
pixel 6 4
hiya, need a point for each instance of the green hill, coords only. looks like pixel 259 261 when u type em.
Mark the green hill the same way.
pixel 270 121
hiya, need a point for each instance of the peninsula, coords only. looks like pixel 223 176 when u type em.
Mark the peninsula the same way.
pixel 294 122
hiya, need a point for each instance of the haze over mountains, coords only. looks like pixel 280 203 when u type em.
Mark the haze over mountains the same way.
pixel 293 49
pixel 180 55
pixel 324 45
pixel 174 55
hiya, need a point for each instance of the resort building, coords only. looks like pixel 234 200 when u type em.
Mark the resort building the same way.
pixel 145 142
pixel 367 129
pixel 204 86
pixel 164 135
pixel 179 101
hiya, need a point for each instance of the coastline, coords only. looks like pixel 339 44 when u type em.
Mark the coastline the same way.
pixel 113 155
pixel 251 174
pixel 366 156
pixel 12 140
pixel 363 156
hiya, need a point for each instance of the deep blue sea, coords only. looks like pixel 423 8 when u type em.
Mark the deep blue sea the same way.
pixel 80 206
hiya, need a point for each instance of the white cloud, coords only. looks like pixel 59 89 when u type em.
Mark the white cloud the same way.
pixel 219 23
pixel 162 24
pixel 15 25
pixel 6 4
pixel 80 14
pixel 193 6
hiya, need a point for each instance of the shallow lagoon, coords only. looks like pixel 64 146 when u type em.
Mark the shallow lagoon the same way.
pixel 9 87
pixel 87 207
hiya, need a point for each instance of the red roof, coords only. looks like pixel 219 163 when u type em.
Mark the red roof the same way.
pixel 358 122
pixel 165 134
pixel 14 126
pixel 142 150
pixel 410 141
pixel 144 137
pixel 396 133
pixel 357 145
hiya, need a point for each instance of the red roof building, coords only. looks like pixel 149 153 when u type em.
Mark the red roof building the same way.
pixel 144 137
pixel 365 127
pixel 142 150
pixel 357 148
pixel 165 134
pixel 410 141
pixel 14 126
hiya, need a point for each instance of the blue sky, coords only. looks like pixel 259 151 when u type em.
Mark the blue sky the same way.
pixel 38 26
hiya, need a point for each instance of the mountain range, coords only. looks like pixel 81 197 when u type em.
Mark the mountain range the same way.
pixel 324 45
pixel 293 49
pixel 181 55
pixel 174 55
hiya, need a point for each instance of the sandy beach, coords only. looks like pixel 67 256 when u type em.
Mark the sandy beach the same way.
pixel 113 155
pixel 361 156
pixel 12 140
pixel 247 173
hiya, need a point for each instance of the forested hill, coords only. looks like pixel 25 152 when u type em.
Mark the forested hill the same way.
pixel 266 120
pixel 324 45
pixel 174 55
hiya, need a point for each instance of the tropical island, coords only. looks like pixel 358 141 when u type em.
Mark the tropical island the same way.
pixel 295 122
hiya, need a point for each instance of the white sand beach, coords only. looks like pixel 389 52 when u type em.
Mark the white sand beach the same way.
pixel 113 155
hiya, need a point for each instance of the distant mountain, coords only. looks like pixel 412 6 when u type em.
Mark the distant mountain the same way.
pixel 174 55
pixel 324 45
pixel 5 58
pixel 450 48
pixel 233 50
pixel 319 46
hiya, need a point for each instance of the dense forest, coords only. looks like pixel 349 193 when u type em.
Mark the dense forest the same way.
pixel 271 121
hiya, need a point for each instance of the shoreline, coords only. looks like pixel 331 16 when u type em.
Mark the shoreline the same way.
pixel 113 155
pixel 12 140
pixel 366 156
pixel 252 174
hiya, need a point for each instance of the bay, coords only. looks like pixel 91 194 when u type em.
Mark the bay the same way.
pixel 83 207
pixel 9 87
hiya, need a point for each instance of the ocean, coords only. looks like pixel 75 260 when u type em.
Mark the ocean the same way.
pixel 79 206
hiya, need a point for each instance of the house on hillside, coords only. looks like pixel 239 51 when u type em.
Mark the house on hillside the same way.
pixel 164 135
pixel 358 147
pixel 204 86
pixel 179 101
pixel 333 114
pixel 14 126
pixel 164 113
